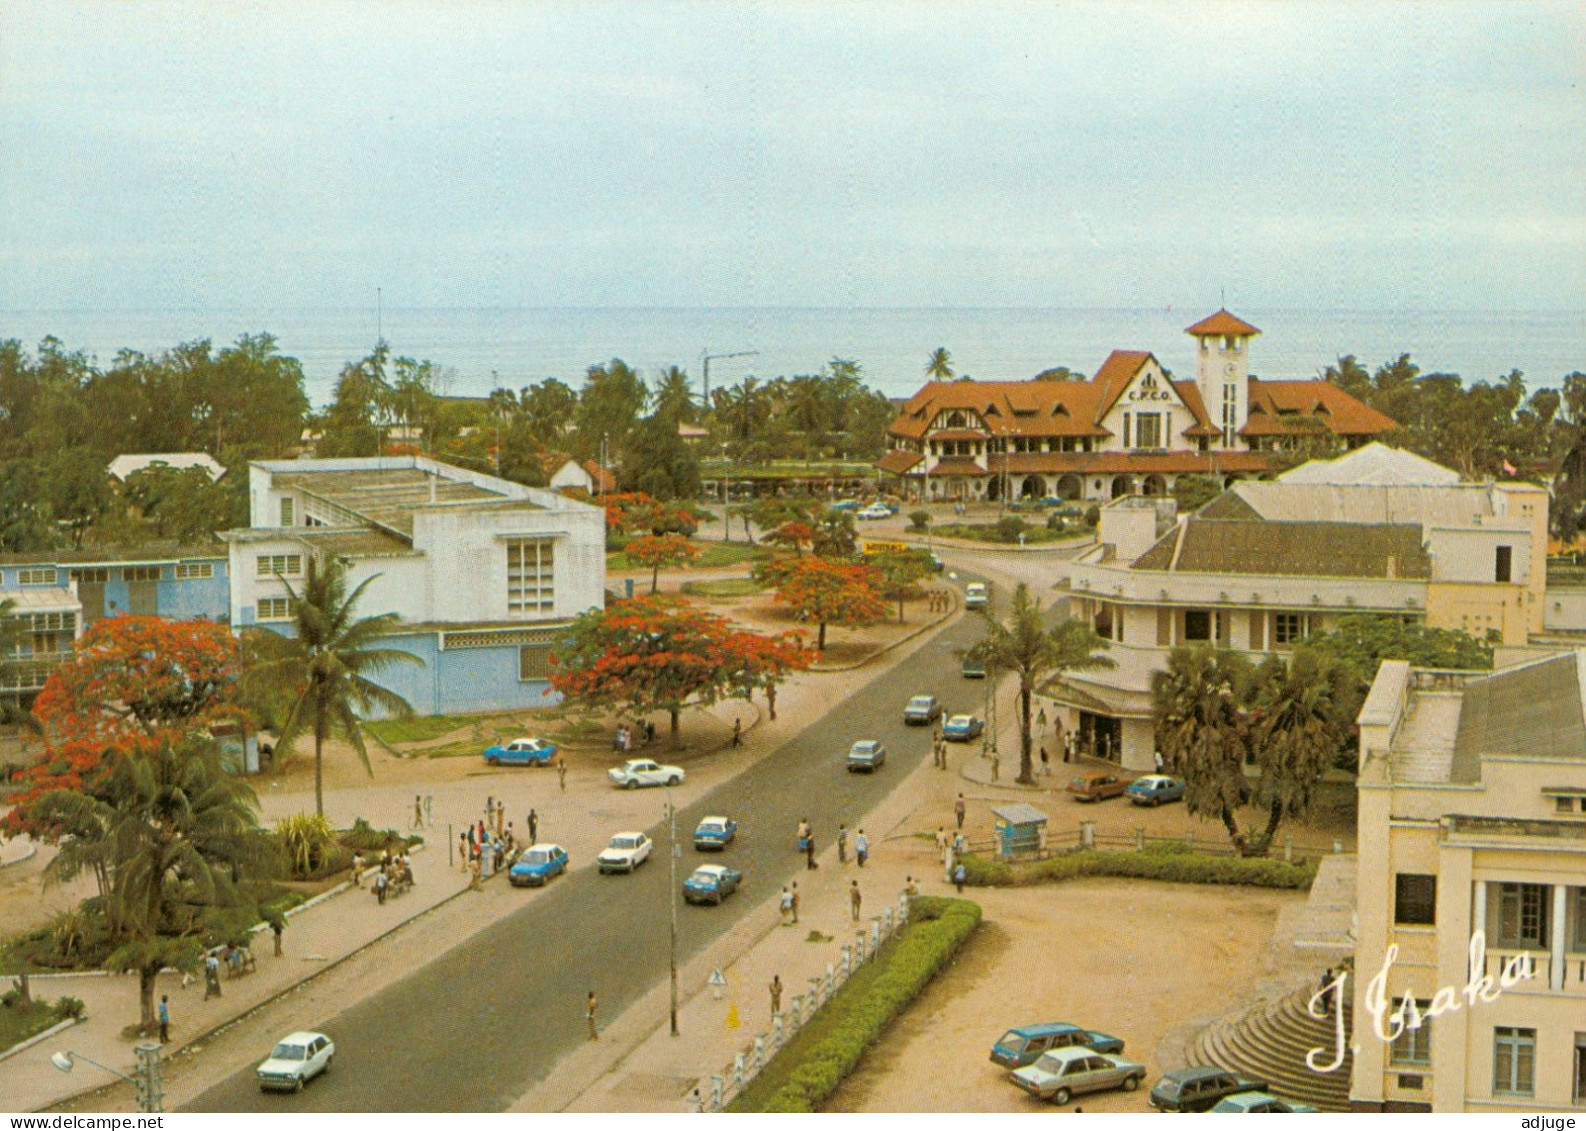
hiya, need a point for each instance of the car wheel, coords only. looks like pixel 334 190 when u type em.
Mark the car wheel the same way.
pixel 328 1060
pixel 630 784
pixel 297 1085
pixel 1061 1097
pixel 492 761
pixel 1130 1083
pixel 673 780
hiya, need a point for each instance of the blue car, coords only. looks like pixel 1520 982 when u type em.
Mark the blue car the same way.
pixel 711 883
pixel 537 866
pixel 1154 789
pixel 1246 1103
pixel 962 728
pixel 521 752
pixel 714 834
pixel 1025 1045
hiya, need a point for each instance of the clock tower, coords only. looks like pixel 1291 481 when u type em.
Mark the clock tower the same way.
pixel 1222 372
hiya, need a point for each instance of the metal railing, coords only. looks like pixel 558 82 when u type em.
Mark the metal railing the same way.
pixel 715 1092
pixel 1063 841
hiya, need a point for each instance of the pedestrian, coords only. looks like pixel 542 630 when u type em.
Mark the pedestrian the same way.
pixel 785 906
pixel 737 732
pixel 357 869
pixel 770 700
pixel 854 900
pixel 861 848
pixel 534 828
pixel 380 883
pixel 809 853
pixel 561 772
pixel 1046 764
pixel 795 902
pixel 996 767
pixel 941 843
pixel 649 731
pixel 418 811
pixel 490 807
pixel 960 845
pixel 277 925
pixel 429 810
pixel 803 833
pixel 1321 990
pixel 1068 747
pixel 165 1019
pixel 1159 762
pixel 589 1016
pixel 910 888
pixel 776 994
pixel 842 844
pixel 958 877
pixel 475 872
pixel 462 850
pixel 959 808
pixel 211 976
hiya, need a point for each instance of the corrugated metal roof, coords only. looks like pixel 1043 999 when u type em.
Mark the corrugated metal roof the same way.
pixel 389 498
pixel 1292 549
pixel 1019 814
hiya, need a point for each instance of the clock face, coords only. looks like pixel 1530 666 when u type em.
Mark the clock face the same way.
pixel 1230 369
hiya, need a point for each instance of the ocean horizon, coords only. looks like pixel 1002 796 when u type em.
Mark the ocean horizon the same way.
pixel 479 348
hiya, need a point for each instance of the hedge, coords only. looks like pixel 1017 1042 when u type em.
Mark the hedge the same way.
pixel 830 1046
pixel 1174 863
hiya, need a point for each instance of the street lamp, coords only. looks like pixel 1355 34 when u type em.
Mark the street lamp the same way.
pixel 151 1096
pixel 671 822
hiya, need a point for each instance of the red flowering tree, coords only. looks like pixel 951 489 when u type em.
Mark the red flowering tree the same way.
pixel 634 511
pixel 828 591
pixel 794 534
pixel 659 654
pixel 660 551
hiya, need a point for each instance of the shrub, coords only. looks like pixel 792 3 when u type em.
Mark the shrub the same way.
pixel 72 1007
pixel 817 1060
pixel 1009 527
pixel 1054 523
pixel 1093 516
pixel 1172 863
pixel 919 520
pixel 308 841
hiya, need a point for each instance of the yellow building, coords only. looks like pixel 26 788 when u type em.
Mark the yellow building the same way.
pixel 1471 864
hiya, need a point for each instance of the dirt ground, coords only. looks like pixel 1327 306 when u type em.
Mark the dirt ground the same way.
pixel 1137 960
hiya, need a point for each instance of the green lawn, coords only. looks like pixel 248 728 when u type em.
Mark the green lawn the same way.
pixel 419 728
pixel 713 555
pixel 725 587
pixel 17 1026
pixel 987 532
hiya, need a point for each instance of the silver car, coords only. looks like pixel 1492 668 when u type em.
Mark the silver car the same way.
pixel 1062 1074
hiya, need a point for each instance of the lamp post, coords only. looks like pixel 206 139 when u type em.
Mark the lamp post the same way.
pixel 148 1081
pixel 671 824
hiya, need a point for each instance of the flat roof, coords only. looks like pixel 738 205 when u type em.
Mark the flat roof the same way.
pixel 389 498
pixel 354 543
pixel 147 553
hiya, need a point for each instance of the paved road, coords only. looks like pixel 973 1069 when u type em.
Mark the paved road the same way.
pixel 480 1024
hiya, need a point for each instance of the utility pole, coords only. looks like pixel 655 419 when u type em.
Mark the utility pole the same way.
pixel 706 357
pixel 671 818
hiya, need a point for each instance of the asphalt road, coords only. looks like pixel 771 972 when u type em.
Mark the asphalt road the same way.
pixel 480 1024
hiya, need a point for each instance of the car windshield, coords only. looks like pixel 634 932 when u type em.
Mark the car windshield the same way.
pixel 712 826
pixel 1080 783
pixel 537 856
pixel 920 701
pixel 705 879
pixel 1012 1041
pixel 285 1051
pixel 1050 1063
pixel 625 842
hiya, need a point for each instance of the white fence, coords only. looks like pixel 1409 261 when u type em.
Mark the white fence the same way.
pixel 720 1089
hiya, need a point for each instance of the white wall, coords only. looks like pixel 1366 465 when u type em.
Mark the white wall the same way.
pixel 1470 554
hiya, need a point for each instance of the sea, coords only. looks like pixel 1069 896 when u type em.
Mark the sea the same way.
pixel 478 349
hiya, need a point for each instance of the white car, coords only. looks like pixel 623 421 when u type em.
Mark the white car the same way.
pixel 976 595
pixel 875 510
pixel 625 853
pixel 641 771
pixel 296 1059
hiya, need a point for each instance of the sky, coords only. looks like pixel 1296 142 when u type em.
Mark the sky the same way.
pixel 1337 155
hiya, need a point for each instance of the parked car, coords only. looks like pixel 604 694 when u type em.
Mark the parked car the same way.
pixel 1098 787
pixel 521 752
pixel 1154 789
pixel 714 833
pixel 1050 501
pixel 296 1059
pixel 977 595
pixel 874 510
pixel 962 728
pixel 1199 1089
pixel 921 711
pixel 974 669
pixel 1024 1045
pixel 1246 1102
pixel 625 853
pixel 711 883
pixel 867 755
pixel 937 565
pixel 845 505
pixel 642 771
pixel 1071 510
pixel 1062 1074
pixel 537 866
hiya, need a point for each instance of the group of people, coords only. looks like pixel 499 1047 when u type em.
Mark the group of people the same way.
pixel 623 741
pixel 937 601
pixel 423 811
pixel 392 870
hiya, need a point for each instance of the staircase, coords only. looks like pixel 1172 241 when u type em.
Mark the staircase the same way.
pixel 1269 1040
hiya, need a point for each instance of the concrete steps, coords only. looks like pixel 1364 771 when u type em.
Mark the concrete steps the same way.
pixel 1270 1040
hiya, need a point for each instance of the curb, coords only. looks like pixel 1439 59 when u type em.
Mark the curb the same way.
pixel 33 850
pixel 898 643
pixel 40 1038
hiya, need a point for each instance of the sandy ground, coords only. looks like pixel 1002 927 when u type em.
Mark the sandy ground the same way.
pixel 1094 953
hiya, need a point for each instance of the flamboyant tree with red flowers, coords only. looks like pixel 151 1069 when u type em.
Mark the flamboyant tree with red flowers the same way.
pixel 794 534
pixel 828 591
pixel 659 653
pixel 634 511
pixel 661 550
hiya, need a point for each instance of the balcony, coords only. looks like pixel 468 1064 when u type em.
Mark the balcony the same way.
pixel 1572 971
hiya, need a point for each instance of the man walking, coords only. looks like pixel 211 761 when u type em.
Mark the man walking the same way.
pixel 786 907
pixel 165 1019
pixel 418 811
pixel 589 1016
pixel 534 827
pixel 842 844
pixel 429 810
pixel 854 900
pixel 475 872
pixel 941 843
pixel 959 810
pixel 776 994
pixel 1046 764
pixel 380 883
pixel 737 732
pixel 861 848
pixel 809 853
pixel 958 878
pixel 795 903
pixel 211 976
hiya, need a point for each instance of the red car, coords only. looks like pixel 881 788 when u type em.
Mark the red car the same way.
pixel 1098 787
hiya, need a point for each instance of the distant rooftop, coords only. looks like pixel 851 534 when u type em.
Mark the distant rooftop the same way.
pixel 1459 504
pixel 1376 464
pixel 1534 709
pixel 389 498
pixel 361 543
pixel 148 553
pixel 1289 549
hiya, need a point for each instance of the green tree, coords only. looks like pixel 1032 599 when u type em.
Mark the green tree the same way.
pixel 1025 646
pixel 352 425
pixel 548 409
pixel 835 536
pixel 674 397
pixel 939 366
pixel 608 408
pixel 1303 712
pixel 79 492
pixel 1202 731
pixel 25 523
pixel 659 463
pixel 1192 492
pixel 902 572
pixel 328 662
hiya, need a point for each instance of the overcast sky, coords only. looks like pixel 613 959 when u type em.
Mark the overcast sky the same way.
pixel 1341 155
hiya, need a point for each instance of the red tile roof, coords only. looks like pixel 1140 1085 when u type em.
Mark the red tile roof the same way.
pixel 957 465
pixel 1006 408
pixel 1114 376
pixel 898 462
pixel 1290 407
pixel 604 480
pixel 1189 392
pixel 1222 323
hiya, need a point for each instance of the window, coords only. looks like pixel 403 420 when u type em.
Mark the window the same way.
pixel 93 575
pixel 1126 430
pixel 41 575
pixel 1413 1046
pixel 287 515
pixel 1504 565
pixel 1522 915
pixel 1513 1061
pixel 1148 430
pixel 282 565
pixel 1289 629
pixel 1580 1068
pixel 1577 943
pixel 276 608
pixel 1197 624
pixel 1258 631
pixel 534 662
pixel 194 571
pixel 1563 805
pixel 1414 899
pixel 140 573
pixel 531 576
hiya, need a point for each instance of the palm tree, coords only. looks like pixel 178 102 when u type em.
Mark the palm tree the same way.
pixel 1303 716
pixel 1027 647
pixel 327 664
pixel 940 365
pixel 1203 731
pixel 674 396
